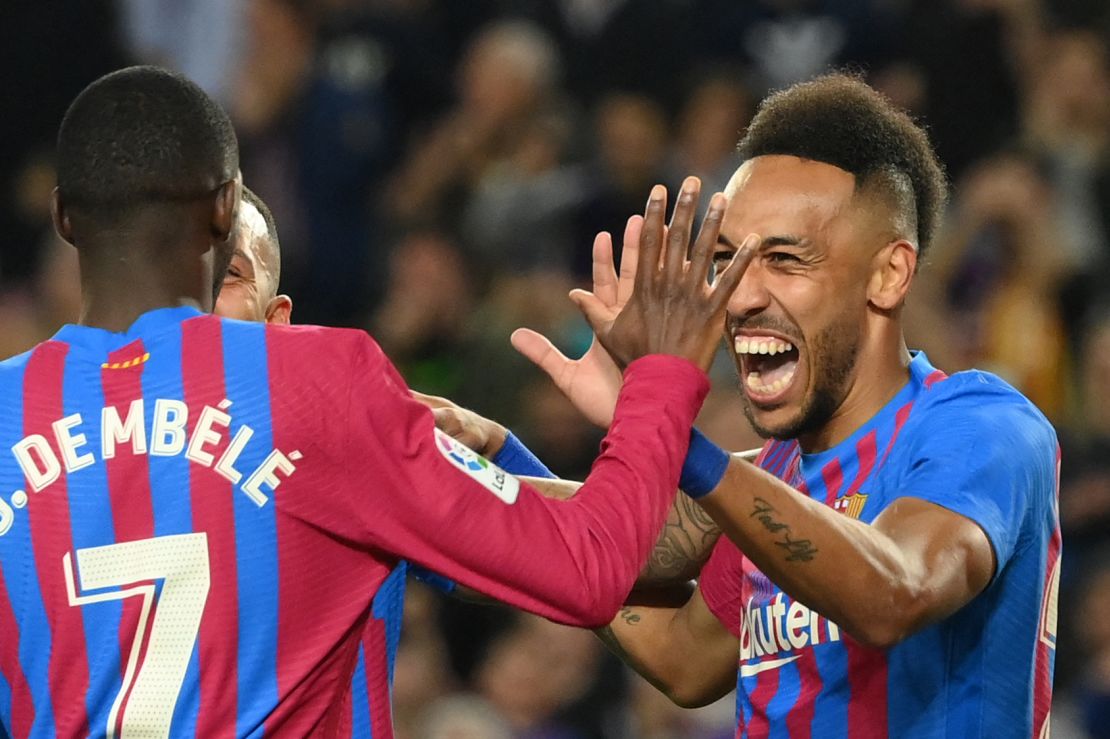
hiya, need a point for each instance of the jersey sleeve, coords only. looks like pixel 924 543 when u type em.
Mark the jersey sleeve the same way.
pixel 987 454
pixel 415 493
pixel 720 584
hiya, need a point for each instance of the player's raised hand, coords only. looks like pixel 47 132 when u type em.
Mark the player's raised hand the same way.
pixel 672 309
pixel 593 381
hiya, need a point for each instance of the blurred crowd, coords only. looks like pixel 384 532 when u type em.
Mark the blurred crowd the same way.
pixel 438 170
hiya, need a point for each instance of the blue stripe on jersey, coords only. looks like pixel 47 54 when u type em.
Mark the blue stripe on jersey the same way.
pixel 389 606
pixel 15 547
pixel 831 705
pixel 790 685
pixel 5 706
pixel 90 515
pixel 256 550
pixel 169 494
pixel 360 699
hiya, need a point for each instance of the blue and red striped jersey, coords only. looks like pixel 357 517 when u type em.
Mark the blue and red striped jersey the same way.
pixel 970 443
pixel 201 522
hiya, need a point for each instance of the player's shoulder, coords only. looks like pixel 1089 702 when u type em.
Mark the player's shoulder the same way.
pixel 322 345
pixel 985 402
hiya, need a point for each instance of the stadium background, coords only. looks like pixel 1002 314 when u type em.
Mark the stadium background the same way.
pixel 438 169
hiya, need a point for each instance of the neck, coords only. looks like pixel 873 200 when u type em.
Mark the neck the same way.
pixel 118 286
pixel 882 369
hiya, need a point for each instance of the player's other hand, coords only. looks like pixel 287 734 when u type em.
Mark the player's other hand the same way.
pixel 593 381
pixel 673 309
pixel 477 432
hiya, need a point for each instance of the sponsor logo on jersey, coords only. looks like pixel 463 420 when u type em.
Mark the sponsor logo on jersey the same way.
pixel 780 627
pixel 493 478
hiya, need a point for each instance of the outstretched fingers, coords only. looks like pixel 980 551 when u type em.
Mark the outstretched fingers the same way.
pixel 701 256
pixel 682 222
pixel 605 276
pixel 630 255
pixel 651 239
pixel 729 279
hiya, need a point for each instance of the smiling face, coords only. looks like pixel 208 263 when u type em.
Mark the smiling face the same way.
pixel 799 320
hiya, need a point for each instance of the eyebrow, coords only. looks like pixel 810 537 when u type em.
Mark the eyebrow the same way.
pixel 783 240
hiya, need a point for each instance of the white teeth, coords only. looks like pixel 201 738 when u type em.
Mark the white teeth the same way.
pixel 789 346
pixel 744 345
pixel 758 387
pixel 763 348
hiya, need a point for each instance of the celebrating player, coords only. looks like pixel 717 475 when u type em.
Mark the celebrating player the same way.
pixel 891 561
pixel 196 514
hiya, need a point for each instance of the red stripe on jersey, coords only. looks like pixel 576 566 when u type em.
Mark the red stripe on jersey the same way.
pixel 934 377
pixel 325 585
pixel 128 479
pixel 1046 632
pixel 865 451
pixel 211 497
pixel 377 680
pixel 52 538
pixel 766 685
pixel 799 722
pixel 23 705
pixel 867 680
pixel 834 480
pixel 900 419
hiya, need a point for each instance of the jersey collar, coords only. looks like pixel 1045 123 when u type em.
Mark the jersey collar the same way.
pixel 100 342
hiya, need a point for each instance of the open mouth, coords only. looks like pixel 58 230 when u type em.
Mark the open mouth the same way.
pixel 768 365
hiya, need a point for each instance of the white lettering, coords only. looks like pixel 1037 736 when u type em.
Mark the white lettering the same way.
pixel 777 611
pixel 41 474
pixel 226 465
pixel 7 517
pixel 203 434
pixel 265 475
pixel 70 443
pixel 167 438
pixel 114 431
pixel 796 618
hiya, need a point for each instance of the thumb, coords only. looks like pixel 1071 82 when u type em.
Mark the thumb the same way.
pixel 539 350
pixel 597 314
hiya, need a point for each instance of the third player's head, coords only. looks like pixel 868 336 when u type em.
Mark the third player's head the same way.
pixel 148 175
pixel 250 287
pixel 845 192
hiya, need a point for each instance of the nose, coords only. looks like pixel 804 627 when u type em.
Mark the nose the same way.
pixel 751 295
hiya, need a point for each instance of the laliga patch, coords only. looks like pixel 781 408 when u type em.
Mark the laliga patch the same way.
pixel 493 478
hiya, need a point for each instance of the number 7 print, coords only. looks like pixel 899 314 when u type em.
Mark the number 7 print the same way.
pixel 181 562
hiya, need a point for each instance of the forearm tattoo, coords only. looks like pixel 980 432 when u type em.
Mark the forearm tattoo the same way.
pixel 797 550
pixel 683 547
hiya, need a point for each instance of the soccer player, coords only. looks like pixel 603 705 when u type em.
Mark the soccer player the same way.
pixel 892 558
pixel 196 514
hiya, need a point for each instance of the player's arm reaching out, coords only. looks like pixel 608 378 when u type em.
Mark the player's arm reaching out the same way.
pixel 570 561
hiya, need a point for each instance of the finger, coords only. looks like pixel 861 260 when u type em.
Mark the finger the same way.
pixel 605 276
pixel 432 401
pixel 701 257
pixel 447 421
pixel 630 253
pixel 539 350
pixel 597 314
pixel 682 221
pixel 727 281
pixel 651 239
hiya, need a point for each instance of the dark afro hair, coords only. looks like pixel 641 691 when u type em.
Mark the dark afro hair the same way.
pixel 139 136
pixel 839 120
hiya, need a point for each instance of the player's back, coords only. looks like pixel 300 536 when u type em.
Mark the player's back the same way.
pixel 150 581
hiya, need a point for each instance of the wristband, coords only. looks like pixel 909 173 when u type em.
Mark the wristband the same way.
pixel 704 467
pixel 517 459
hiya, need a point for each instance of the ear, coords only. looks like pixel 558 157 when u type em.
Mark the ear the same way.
pixel 60 217
pixel 225 208
pixel 891 274
pixel 279 310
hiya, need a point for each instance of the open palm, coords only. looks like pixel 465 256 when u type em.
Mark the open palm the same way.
pixel 593 381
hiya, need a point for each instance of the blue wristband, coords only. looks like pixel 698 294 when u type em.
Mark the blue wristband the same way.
pixel 704 467
pixel 517 459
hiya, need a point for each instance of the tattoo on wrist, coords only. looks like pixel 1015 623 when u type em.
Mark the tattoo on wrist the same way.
pixel 629 616
pixel 797 550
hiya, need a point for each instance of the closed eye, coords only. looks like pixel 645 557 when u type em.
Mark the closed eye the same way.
pixel 781 256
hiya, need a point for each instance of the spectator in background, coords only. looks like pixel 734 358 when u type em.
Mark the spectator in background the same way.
pixel 712 119
pixel 993 292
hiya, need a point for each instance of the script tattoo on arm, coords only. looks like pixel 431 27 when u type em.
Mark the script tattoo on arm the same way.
pixel 797 550
pixel 683 547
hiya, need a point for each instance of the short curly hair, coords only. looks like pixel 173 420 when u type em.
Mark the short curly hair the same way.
pixel 839 120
